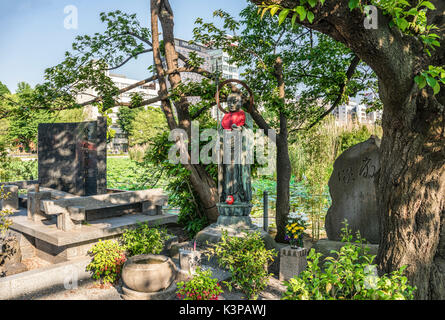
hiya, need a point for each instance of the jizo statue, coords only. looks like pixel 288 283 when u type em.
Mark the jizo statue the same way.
pixel 236 150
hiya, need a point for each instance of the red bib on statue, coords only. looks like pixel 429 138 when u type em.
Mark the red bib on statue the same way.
pixel 238 118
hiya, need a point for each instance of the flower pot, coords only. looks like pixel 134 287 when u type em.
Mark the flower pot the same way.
pixel 148 273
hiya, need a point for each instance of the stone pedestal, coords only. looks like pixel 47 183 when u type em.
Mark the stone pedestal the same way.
pixel 235 226
pixel 33 207
pixel 12 200
pixel 189 260
pixel 151 208
pixel 292 262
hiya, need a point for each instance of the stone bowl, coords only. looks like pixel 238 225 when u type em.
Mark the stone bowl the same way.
pixel 148 273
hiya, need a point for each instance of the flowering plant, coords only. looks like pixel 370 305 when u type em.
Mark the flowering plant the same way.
pixel 108 258
pixel 295 227
pixel 201 287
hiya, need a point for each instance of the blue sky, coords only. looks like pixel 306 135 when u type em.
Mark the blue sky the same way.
pixel 33 37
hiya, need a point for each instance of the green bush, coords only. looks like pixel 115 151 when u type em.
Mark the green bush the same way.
pixel 181 194
pixel 350 276
pixel 201 287
pixel 108 258
pixel 144 240
pixel 5 221
pixel 247 259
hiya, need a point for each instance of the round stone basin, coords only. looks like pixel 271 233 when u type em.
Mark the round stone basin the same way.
pixel 148 272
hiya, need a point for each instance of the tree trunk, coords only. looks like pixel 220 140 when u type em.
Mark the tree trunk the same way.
pixel 283 161
pixel 201 181
pixel 411 192
pixel 283 180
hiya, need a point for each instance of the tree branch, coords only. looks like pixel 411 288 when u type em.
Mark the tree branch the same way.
pixel 349 73
pixel 128 59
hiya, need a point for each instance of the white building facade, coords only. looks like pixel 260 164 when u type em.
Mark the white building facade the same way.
pixel 119 144
pixel 356 113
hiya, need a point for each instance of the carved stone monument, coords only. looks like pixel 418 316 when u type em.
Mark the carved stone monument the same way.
pixel 353 192
pixel 236 156
pixel 72 157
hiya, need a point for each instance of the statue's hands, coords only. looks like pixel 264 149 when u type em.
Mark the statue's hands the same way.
pixel 234 126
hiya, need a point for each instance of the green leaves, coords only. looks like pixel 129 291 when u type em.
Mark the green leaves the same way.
pixel 107 262
pixel 433 77
pixel 247 260
pixel 144 240
pixel 282 16
pixel 410 19
pixel 348 276
pixel 427 4
pixel 201 287
pixel 302 12
pixel 353 4
pixel 310 16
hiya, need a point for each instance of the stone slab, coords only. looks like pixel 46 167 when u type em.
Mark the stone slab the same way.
pixel 352 190
pixel 25 184
pixel 48 232
pixel 156 196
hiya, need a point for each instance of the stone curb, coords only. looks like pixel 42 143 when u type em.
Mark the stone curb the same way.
pixel 43 279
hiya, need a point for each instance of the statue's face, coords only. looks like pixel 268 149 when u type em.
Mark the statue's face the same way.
pixel 234 101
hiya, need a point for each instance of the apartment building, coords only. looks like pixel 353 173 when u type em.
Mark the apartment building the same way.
pixel 354 112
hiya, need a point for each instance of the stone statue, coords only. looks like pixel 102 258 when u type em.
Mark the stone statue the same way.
pixel 236 146
pixel 235 167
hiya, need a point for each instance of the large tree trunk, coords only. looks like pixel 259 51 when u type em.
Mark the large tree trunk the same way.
pixel 411 193
pixel 201 181
pixel 283 161
pixel 283 180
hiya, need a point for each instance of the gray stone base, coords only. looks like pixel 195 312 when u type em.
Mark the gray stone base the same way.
pixel 46 241
pixel 235 227
pixel 167 294
pixel 292 262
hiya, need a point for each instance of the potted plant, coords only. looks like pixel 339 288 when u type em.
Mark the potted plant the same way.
pixel 295 227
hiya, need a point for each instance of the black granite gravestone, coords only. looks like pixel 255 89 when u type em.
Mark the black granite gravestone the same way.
pixel 72 157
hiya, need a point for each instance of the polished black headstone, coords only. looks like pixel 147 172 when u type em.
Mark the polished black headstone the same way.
pixel 72 156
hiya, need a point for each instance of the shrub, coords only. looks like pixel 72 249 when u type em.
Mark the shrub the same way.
pixel 5 221
pixel 247 259
pixel 144 240
pixel 181 194
pixel 108 258
pixel 351 276
pixel 201 287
